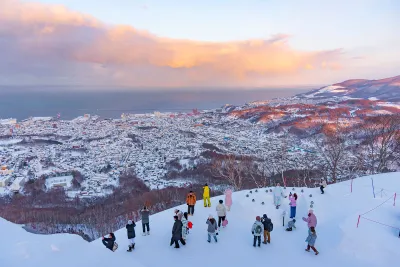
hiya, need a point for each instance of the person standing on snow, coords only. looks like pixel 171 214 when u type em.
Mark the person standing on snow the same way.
pixel 130 228
pixel 177 233
pixel 109 241
pixel 228 199
pixel 184 221
pixel 221 211
pixel 145 213
pixel 293 204
pixel 311 220
pixel 278 194
pixel 206 196
pixel 191 202
pixel 322 185
pixel 312 237
pixel 257 230
pixel 211 229
pixel 268 227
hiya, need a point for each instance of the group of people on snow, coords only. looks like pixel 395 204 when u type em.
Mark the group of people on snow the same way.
pixel 263 226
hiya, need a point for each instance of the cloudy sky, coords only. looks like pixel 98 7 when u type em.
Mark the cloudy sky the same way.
pixel 207 43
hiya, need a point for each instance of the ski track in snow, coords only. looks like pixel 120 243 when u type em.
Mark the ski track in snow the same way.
pixel 339 241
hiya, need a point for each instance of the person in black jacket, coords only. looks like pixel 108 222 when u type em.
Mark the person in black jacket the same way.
pixel 177 233
pixel 267 228
pixel 130 228
pixel 109 241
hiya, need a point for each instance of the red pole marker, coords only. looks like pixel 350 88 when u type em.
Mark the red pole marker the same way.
pixel 358 222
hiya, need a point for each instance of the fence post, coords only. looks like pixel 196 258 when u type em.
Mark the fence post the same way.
pixel 394 202
pixel 358 221
pixel 373 188
pixel 351 186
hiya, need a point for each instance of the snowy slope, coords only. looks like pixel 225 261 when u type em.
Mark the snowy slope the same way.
pixel 339 241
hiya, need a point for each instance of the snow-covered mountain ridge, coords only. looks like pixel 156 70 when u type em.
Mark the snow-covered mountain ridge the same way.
pixel 339 241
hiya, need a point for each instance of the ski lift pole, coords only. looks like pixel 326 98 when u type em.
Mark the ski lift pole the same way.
pixel 283 218
pixel 394 201
pixel 373 188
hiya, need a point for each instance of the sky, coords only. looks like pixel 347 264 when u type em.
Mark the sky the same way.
pixel 176 43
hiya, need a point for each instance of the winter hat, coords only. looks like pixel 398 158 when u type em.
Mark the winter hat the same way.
pixel 258 218
pixel 210 216
pixel 176 217
pixel 220 201
pixel 265 216
pixel 294 220
pixel 311 211
pixel 130 222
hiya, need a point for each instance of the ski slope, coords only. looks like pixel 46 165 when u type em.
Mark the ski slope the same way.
pixel 339 242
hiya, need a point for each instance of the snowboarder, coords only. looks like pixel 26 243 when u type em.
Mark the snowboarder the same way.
pixel 185 228
pixel 312 237
pixel 109 241
pixel 257 230
pixel 191 202
pixel 177 233
pixel 268 227
pixel 206 196
pixel 278 194
pixel 311 220
pixel 179 214
pixel 130 228
pixel 291 225
pixel 228 199
pixel 322 185
pixel 293 204
pixel 221 211
pixel 211 229
pixel 145 213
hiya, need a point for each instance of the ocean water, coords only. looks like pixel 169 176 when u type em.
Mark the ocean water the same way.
pixel 22 103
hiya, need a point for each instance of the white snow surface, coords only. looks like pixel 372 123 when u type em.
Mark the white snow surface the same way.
pixel 339 241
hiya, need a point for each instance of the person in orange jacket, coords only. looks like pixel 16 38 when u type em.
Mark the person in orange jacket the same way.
pixel 191 201
pixel 206 196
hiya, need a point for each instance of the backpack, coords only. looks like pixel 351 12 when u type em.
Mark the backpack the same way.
pixel 115 247
pixel 258 229
pixel 270 226
pixel 190 225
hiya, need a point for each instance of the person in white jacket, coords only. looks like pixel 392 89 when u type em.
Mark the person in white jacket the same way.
pixel 184 221
pixel 278 194
pixel 221 211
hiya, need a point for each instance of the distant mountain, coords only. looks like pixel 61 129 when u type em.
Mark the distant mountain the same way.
pixel 385 89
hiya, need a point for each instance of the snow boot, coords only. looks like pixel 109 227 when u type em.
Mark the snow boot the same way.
pixel 307 250
pixel 133 246
pixel 148 232
pixel 265 242
pixel 129 249
pixel 144 233
pixel 316 253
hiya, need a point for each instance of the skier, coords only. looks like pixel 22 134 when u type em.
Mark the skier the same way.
pixel 130 228
pixel 206 196
pixel 228 199
pixel 177 233
pixel 278 194
pixel 293 204
pixel 109 241
pixel 312 237
pixel 322 185
pixel 268 227
pixel 291 225
pixel 179 214
pixel 191 201
pixel 221 211
pixel 311 220
pixel 185 228
pixel 211 229
pixel 257 230
pixel 145 213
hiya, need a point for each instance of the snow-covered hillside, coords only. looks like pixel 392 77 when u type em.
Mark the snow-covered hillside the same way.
pixel 339 241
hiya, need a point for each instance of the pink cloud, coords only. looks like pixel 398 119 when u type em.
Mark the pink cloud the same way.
pixel 52 41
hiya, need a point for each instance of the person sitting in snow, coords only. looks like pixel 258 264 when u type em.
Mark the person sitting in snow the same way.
pixel 322 186
pixel 311 220
pixel 145 213
pixel 257 230
pixel 130 228
pixel 312 237
pixel 108 242
pixel 291 225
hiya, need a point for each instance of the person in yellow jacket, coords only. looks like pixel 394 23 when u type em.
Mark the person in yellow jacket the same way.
pixel 206 196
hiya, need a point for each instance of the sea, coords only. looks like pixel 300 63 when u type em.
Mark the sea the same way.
pixel 22 103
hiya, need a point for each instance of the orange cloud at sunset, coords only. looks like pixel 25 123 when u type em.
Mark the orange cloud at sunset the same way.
pixel 54 44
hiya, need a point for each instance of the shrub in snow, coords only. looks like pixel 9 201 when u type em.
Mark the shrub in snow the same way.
pixel 266 191
pixel 284 187
pixel 312 202
pixel 262 203
pixel 302 190
pixel 310 195
pixel 311 206
pixel 247 195
pixel 270 190
pixel 256 191
pixel 251 192
pixel 253 200
pixel 293 189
